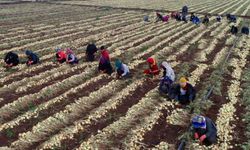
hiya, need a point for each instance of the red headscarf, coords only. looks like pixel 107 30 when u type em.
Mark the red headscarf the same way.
pixel 104 56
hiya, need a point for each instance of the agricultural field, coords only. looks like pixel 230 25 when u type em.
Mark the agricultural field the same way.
pixel 62 107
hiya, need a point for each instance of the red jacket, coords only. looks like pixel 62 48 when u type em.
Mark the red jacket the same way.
pixel 61 55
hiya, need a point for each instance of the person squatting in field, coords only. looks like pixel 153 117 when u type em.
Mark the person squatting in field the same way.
pixel 122 70
pixel 183 92
pixel 153 70
pixel 60 55
pixel 71 57
pixel 205 20
pixel 204 130
pixel 11 59
pixel 159 17
pixel 104 62
pixel 184 13
pixel 168 78
pixel 90 51
pixel 32 58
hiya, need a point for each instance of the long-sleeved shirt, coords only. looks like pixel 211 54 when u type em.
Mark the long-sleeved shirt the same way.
pixel 125 69
pixel 168 72
pixel 11 58
pixel 210 130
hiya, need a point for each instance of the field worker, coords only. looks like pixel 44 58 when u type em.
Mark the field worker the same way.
pixel 104 63
pixel 196 20
pixel 153 68
pixel 184 92
pixel 205 20
pixel 60 55
pixel 159 17
pixel 165 18
pixel 122 69
pixel 184 13
pixel 245 30
pixel 204 130
pixel 32 58
pixel 146 18
pixel 218 18
pixel 71 57
pixel 231 18
pixel 175 15
pixel 11 59
pixel 90 51
pixel 234 30
pixel 167 78
pixel 192 17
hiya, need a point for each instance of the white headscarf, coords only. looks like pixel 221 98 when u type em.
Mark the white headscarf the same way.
pixel 169 70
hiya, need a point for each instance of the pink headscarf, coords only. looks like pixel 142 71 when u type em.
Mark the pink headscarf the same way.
pixel 69 51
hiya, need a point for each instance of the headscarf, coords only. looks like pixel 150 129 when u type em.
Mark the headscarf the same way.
pixel 118 64
pixel 69 51
pixel 151 61
pixel 199 122
pixel 169 71
pixel 183 80
pixel 58 50
pixel 104 56
pixel 28 52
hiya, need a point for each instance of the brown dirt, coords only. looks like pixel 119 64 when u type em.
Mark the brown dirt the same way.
pixel 163 131
pixel 239 136
pixel 114 115
pixel 219 100
pixel 28 124
pixel 26 75
pixel 12 96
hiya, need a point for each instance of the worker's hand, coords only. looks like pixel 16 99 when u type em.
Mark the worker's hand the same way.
pixel 202 138
pixel 30 62
pixel 196 135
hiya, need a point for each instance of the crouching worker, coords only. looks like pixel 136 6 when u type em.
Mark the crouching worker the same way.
pixel 32 58
pixel 122 70
pixel 204 130
pixel 218 18
pixel 90 51
pixel 167 78
pixel 245 30
pixel 71 57
pixel 104 63
pixel 60 56
pixel 153 70
pixel 205 20
pixel 184 92
pixel 159 17
pixel 234 30
pixel 196 20
pixel 11 59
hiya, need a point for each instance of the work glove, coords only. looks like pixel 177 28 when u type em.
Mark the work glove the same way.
pixel 202 138
pixel 196 135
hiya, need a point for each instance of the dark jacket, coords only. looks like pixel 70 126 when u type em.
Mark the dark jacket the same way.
pixel 231 18
pixel 192 17
pixel 205 20
pixel 210 132
pixel 184 99
pixel 90 51
pixel 32 57
pixel 245 30
pixel 184 10
pixel 106 67
pixel 165 85
pixel 11 58
pixel 234 30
